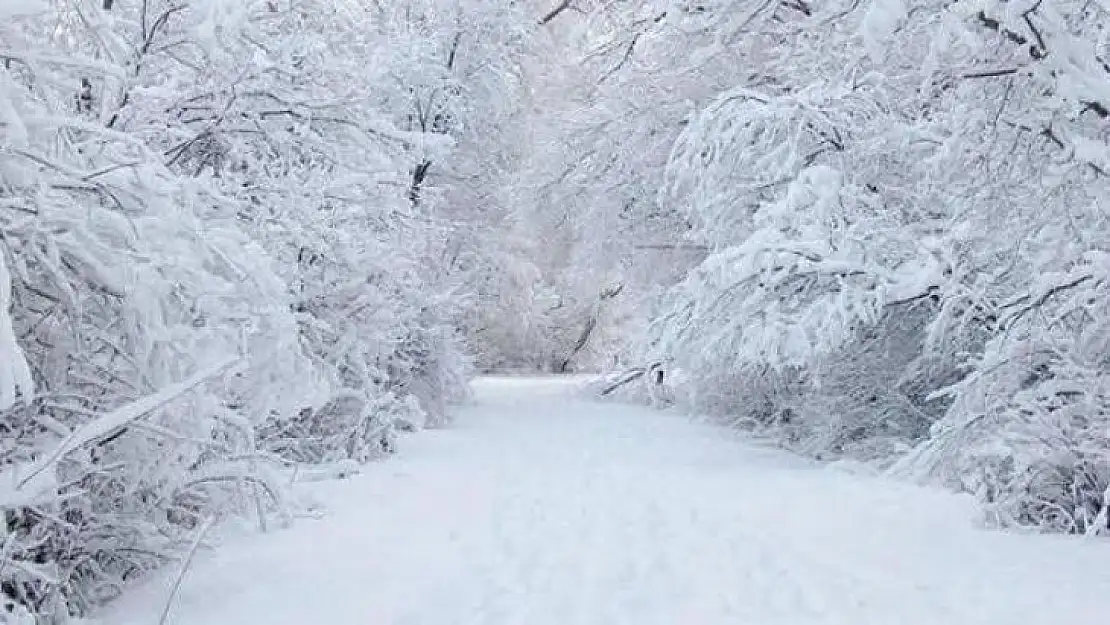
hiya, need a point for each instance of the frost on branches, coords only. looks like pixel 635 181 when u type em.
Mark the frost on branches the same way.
pixel 222 235
pixel 903 204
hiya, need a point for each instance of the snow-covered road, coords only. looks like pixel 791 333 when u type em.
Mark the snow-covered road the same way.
pixel 537 508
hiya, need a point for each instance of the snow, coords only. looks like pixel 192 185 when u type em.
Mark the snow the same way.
pixel 13 8
pixel 17 490
pixel 540 507
pixel 15 376
pixel 882 21
pixel 108 422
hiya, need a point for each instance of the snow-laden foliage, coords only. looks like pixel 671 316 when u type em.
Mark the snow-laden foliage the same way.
pixel 126 279
pixel 224 233
pixel 591 228
pixel 15 375
pixel 902 205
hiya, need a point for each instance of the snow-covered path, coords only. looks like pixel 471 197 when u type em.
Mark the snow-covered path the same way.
pixel 537 508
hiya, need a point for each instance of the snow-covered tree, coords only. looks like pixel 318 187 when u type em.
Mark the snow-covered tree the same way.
pixel 901 205
pixel 156 332
pixel 217 259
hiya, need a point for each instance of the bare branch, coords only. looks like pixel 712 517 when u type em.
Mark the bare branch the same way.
pixel 553 13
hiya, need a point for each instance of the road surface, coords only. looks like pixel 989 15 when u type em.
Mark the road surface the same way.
pixel 539 507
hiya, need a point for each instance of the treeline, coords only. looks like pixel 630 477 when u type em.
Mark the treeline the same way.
pixel 237 240
pixel 889 224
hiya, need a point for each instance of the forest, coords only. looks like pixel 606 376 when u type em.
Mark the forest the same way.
pixel 249 242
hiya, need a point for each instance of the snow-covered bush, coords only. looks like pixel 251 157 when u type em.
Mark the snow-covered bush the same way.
pixel 125 281
pixel 221 254
pixel 1028 428
pixel 902 211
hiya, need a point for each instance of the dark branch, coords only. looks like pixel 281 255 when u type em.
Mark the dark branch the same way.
pixel 799 5
pixel 553 13
pixel 1038 51
pixel 419 173
pixel 454 50
pixel 996 26
pixel 991 73
pixel 1044 297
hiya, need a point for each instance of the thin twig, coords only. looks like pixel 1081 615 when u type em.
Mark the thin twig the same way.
pixel 553 13
pixel 184 569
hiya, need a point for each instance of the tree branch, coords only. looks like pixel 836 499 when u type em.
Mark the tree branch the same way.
pixel 553 13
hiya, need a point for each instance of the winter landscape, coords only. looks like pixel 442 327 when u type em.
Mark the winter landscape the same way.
pixel 438 312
